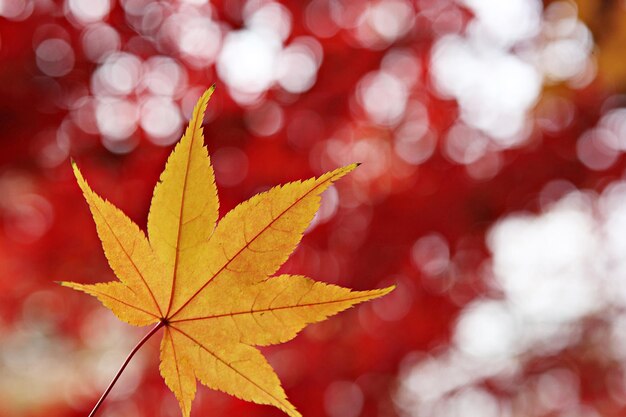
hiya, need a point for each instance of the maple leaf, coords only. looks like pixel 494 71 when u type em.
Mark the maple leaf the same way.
pixel 209 285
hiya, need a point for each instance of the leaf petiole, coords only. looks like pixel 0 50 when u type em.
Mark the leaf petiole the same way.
pixel 128 358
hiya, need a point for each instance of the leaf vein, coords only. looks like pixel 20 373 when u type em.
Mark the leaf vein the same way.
pixel 298 200
pixel 229 365
pixel 132 262
pixel 182 205
pixel 319 303
pixel 123 302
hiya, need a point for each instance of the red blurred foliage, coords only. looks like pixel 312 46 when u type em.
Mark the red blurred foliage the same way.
pixel 364 246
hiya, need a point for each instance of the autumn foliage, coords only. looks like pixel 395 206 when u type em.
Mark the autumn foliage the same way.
pixel 210 284
pixel 491 192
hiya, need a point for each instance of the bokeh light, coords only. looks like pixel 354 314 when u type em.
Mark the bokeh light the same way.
pixel 492 191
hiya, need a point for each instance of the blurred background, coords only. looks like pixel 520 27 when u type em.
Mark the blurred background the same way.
pixel 492 136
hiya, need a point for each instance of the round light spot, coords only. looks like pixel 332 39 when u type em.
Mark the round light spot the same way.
pixel 383 96
pixel 465 145
pixel 317 21
pixel 479 77
pixel 508 21
pixel 135 7
pixel 471 401
pixel 271 16
pixel 247 61
pixel 120 146
pixel 265 120
pixel 297 68
pixel 161 120
pixel 383 22
pixel 83 115
pixel 413 140
pixel 539 259
pixel 17 10
pixel 28 218
pixel 116 118
pixel 564 58
pixel 391 19
pixel 402 64
pixel 343 399
pixel 118 75
pixel 558 389
pixel 615 121
pixel 99 40
pixel 55 57
pixel 199 39
pixel 87 11
pixel 431 254
pixel 596 149
pixel 152 18
pixel 164 76
pixel 487 330
pixel 412 147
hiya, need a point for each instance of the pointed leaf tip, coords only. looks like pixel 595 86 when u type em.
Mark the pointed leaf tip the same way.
pixel 348 168
pixel 207 94
pixel 387 290
pixel 381 292
pixel 77 174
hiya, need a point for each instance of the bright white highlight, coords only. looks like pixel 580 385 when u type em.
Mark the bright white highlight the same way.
pixel 383 96
pixel 247 61
pixel 88 11
pixel 506 22
pixel 118 75
pixel 298 64
pixel 254 59
pixel 538 260
pixel 116 118
pixel 161 119
pixel 273 18
pixel 552 271
pixel 496 69
pixel 481 79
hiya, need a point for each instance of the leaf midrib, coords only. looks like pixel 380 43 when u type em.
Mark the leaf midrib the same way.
pixel 182 205
pixel 264 310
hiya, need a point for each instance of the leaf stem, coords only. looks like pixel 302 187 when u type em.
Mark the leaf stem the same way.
pixel 128 358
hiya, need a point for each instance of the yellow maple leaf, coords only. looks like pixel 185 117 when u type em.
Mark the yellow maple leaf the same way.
pixel 210 285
